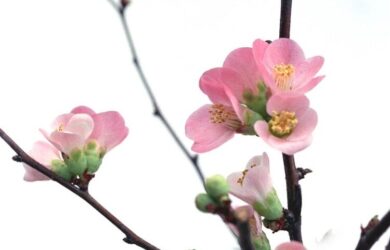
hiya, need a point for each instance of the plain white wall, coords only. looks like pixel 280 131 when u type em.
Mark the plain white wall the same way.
pixel 55 55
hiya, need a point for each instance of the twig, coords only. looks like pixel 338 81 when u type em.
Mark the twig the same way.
pixel 22 156
pixel 388 245
pixel 242 224
pixel 157 110
pixel 294 197
pixel 373 233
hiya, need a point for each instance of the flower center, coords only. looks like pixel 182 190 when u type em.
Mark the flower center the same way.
pixel 220 114
pixel 60 128
pixel 284 75
pixel 282 123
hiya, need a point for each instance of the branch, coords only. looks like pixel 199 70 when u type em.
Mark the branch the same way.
pixel 157 110
pixel 373 232
pixel 131 237
pixel 294 197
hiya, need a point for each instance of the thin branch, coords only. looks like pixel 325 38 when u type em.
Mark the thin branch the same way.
pixel 388 245
pixel 294 197
pixel 242 224
pixel 22 156
pixel 285 18
pixel 157 110
pixel 371 235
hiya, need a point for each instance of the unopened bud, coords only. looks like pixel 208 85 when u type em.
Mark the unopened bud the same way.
pixel 77 162
pixel 217 187
pixel 205 203
pixel 59 167
pixel 270 207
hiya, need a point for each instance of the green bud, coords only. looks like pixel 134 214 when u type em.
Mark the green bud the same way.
pixel 270 207
pixel 59 167
pixel 77 162
pixel 257 102
pixel 250 118
pixel 261 242
pixel 217 187
pixel 204 202
pixel 94 159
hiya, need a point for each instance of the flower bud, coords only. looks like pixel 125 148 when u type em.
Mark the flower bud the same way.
pixel 94 158
pixel 204 202
pixel 217 187
pixel 59 167
pixel 77 162
pixel 261 242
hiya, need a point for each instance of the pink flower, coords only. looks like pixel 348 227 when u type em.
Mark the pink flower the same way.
pixel 284 67
pixel 44 153
pixel 254 186
pixel 74 130
pixel 293 245
pixel 291 125
pixel 213 124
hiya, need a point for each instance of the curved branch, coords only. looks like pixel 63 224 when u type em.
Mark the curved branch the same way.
pixel 22 156
pixel 157 110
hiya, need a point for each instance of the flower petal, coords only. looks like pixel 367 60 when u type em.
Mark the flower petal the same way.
pixel 243 192
pixel 293 245
pixel 259 48
pixel 305 71
pixel 83 110
pixel 283 51
pixel 66 142
pixel 80 124
pixel 243 62
pixel 43 153
pixel 109 129
pixel 297 104
pixel 306 124
pixel 210 83
pixel 310 85
pixel 206 135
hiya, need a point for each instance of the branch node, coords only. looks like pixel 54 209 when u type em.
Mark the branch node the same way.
pixel 17 158
pixel 128 240
pixel 302 172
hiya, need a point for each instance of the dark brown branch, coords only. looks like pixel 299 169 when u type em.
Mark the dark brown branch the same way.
pixel 294 197
pixel 157 110
pixel 285 18
pixel 373 232
pixel 22 156
pixel 388 245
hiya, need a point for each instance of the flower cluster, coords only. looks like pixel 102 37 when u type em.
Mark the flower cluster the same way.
pixel 78 142
pixel 258 91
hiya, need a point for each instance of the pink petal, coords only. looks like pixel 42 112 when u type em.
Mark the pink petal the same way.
pixel 109 129
pixel 243 62
pixel 206 135
pixel 297 104
pixel 258 175
pixel 306 124
pixel 293 245
pixel 259 48
pixel 80 124
pixel 235 104
pixel 66 142
pixel 283 51
pixel 43 153
pixel 210 83
pixel 283 144
pixel 305 71
pixel 60 121
pixel 235 82
pixel 249 195
pixel 310 85
pixel 83 110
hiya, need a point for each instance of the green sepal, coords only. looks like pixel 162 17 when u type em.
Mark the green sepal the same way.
pixel 257 103
pixel 261 242
pixel 59 167
pixel 270 207
pixel 77 162
pixel 93 155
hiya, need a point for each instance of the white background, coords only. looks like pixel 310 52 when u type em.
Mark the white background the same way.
pixel 55 55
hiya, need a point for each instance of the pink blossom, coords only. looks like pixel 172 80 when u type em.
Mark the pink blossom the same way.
pixel 284 67
pixel 254 186
pixel 44 153
pixel 291 125
pixel 293 245
pixel 73 130
pixel 213 124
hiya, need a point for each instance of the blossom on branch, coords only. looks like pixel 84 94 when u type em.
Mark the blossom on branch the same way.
pixel 284 67
pixel 291 125
pixel 254 186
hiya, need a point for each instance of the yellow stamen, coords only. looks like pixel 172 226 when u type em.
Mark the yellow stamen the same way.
pixel 241 179
pixel 282 123
pixel 60 128
pixel 284 75
pixel 219 114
